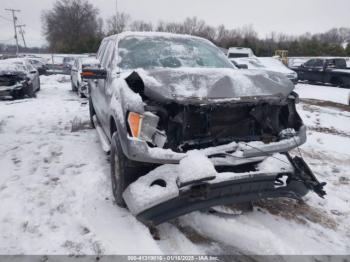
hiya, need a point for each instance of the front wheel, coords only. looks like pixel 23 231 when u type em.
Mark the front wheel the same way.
pixel 119 171
pixel 91 112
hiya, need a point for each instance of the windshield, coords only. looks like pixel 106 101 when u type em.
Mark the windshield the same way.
pixel 174 52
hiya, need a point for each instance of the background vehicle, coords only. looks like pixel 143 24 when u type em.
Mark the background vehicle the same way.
pixel 158 96
pixel 38 64
pixel 79 85
pixel 18 78
pixel 267 64
pixel 329 71
pixel 236 52
pixel 68 62
pixel 60 65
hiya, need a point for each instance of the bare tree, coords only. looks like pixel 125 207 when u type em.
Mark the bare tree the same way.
pixel 72 26
pixel 139 25
pixel 118 23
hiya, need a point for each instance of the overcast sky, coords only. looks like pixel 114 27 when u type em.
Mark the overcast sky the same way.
pixel 287 16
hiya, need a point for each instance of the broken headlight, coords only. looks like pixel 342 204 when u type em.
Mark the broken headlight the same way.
pixel 144 127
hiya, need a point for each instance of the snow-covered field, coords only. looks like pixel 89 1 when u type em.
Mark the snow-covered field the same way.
pixel 55 195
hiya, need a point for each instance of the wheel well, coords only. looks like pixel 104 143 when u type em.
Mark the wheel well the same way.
pixel 112 126
pixel 336 80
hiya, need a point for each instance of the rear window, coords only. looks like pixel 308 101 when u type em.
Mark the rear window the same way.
pixel 237 55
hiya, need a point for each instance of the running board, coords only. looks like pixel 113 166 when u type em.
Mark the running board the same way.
pixel 103 138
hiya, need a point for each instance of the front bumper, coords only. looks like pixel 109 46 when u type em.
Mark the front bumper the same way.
pixel 12 90
pixel 153 202
pixel 251 152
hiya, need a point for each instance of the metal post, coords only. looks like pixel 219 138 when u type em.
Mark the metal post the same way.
pixel 116 15
pixel 21 31
pixel 14 25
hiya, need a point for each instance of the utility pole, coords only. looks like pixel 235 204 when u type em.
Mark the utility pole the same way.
pixel 116 15
pixel 15 25
pixel 21 31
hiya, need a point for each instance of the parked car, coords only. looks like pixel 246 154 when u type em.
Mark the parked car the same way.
pixel 68 62
pixel 160 98
pixel 38 63
pixel 60 65
pixel 328 71
pixel 18 78
pixel 266 64
pixel 236 52
pixel 79 85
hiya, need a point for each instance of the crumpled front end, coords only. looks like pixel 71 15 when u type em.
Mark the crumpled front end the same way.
pixel 12 84
pixel 215 151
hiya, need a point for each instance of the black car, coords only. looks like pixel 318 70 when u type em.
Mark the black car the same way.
pixel 328 71
pixel 222 133
pixel 18 79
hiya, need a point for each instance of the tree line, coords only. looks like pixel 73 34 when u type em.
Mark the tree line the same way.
pixel 74 26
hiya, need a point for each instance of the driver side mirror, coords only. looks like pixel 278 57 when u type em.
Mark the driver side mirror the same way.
pixel 94 73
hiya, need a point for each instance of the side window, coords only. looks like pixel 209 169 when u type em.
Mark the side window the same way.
pixel 318 63
pixel 112 63
pixel 310 63
pixel 101 51
pixel 107 56
pixel 331 63
pixel 340 63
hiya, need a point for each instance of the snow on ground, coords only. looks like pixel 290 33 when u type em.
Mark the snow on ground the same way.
pixel 56 198
pixel 325 93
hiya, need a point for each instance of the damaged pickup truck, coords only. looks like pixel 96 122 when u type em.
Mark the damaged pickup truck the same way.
pixel 188 131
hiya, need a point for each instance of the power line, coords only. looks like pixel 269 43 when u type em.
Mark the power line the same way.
pixel 5 18
pixel 14 18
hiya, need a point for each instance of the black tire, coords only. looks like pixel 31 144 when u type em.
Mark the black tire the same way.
pixel 18 95
pixel 91 112
pixel 121 172
pixel 30 91
pixel 336 81
pixel 81 94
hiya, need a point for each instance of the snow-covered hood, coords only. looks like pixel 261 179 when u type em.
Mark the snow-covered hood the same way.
pixel 206 84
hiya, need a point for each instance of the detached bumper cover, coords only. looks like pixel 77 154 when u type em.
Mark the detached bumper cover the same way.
pixel 171 200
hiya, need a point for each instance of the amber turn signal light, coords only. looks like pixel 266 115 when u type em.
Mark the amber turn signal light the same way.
pixel 135 121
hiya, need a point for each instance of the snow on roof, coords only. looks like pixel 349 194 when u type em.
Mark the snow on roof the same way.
pixel 152 34
pixel 16 60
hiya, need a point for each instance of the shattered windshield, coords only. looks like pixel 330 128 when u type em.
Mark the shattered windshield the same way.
pixel 164 51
